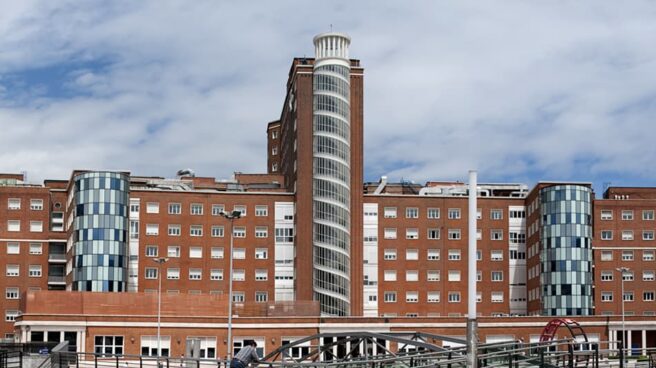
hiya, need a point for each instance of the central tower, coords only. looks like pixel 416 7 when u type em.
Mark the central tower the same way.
pixel 331 175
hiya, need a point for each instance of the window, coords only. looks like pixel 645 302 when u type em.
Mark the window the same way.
pixel 196 209
pixel 627 276
pixel 517 238
pixel 173 273
pixel 411 275
pixel 261 296
pixel 238 297
pixel 216 253
pixel 515 254
pixel 274 134
pixel 433 234
pixel 195 252
pixel 433 254
pixel 261 275
pixel 453 213
pixel 627 255
pixel 479 214
pixel 606 296
pixel 647 255
pixel 13 270
pixel 238 275
pixel 14 203
pixel 261 232
pixel 152 207
pixel 454 254
pixel 35 271
pixel 261 253
pixel 284 235
pixel 134 206
pixel 627 215
pixel 150 273
pixel 239 232
pixel 497 276
pixel 412 212
pixel 411 297
pixel 628 296
pixel 454 275
pixel 454 234
pixel 134 229
pixel 411 234
pixel 648 215
pixel 496 255
pixel 216 275
pixel 241 209
pixel 175 208
pixel 606 255
pixel 389 233
pixel 433 213
pixel 389 297
pixel 108 345
pixel 648 235
pixel 239 253
pixel 479 276
pixel 433 297
pixel 10 315
pixel 454 297
pixel 13 248
pixel 496 214
pixel 411 255
pixel 479 255
pixel 389 275
pixel 496 234
pixel 217 209
pixel 12 293
pixel 647 275
pixel 151 251
pixel 479 297
pixel 217 231
pixel 173 251
pixel 195 274
pixel 174 230
pixel 648 296
pixel 606 215
pixel 606 234
pixel 36 204
pixel 13 225
pixel 261 210
pixel 389 254
pixel 433 275
pixel 627 234
pixel 606 275
pixel 497 297
pixel 149 345
pixel 152 229
pixel 389 212
pixel 36 248
pixel 196 230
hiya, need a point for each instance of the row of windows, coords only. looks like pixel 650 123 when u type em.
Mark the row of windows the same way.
pixel 452 213
pixel 174 251
pixel 197 230
pixel 628 296
pixel 15 248
pixel 627 235
pixel 452 234
pixel 13 270
pixel 15 204
pixel 627 275
pixel 198 209
pixel 627 255
pixel 390 254
pixel 434 297
pixel 627 215
pixel 434 275
pixel 215 274
pixel 15 225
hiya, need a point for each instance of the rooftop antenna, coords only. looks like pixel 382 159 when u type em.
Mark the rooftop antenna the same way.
pixel 331 27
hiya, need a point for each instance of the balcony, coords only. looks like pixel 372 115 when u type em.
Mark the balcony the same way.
pixel 57 258
pixel 56 280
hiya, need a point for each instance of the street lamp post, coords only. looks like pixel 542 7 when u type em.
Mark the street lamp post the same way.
pixel 231 217
pixel 622 271
pixel 160 262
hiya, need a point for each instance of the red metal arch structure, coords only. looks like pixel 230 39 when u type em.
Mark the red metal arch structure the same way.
pixel 574 328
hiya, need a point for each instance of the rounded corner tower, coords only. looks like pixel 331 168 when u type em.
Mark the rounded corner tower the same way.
pixel 331 175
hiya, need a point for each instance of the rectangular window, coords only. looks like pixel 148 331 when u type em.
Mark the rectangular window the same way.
pixel 134 229
pixel 516 237
pixel 606 275
pixel 173 273
pixel 627 215
pixel 13 248
pixel 433 254
pixel 648 296
pixel 390 233
pixel 606 215
pixel 12 293
pixel 217 231
pixel 628 296
pixel 648 235
pixel 433 275
pixel 496 234
pixel 627 255
pixel 239 232
pixel 433 297
pixel 14 203
pixel 152 207
pixel 389 212
pixel 627 276
pixel 433 234
pixel 453 213
pixel 479 255
pixel 152 229
pixel 606 296
pixel 10 315
pixel 411 275
pixel 389 254
pixel 261 275
pixel 606 234
pixel 261 296
pixel 149 345
pixel 454 275
pixel 35 271
pixel 196 230
pixel 647 275
pixel 196 209
pixel 389 275
pixel 175 208
pixel 261 210
pixel 238 275
pixel 13 225
pixel 239 253
pixel 36 248
pixel 389 297
pixel 497 297
pixel 606 255
pixel 454 234
pixel 496 214
pixel 238 297
pixel 195 274
pixel 261 232
pixel 433 213
pixel 217 209
pixel 150 273
pixel 479 276
pixel 627 234
pixel 36 204
pixel 454 254
pixel 411 233
pixel 216 253
pixel 216 275
pixel 411 212
pixel 496 255
pixel 108 345
pixel 241 209
pixel 285 235
pixel 173 251
pixel 454 297
pixel 261 253
pixel 411 255
pixel 647 255
pixel 174 230
pixel 195 252
pixel 497 276
pixel 648 215
pixel 151 251
pixel 411 297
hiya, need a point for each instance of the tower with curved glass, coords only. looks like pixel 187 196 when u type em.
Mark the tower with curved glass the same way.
pixel 100 231
pixel 566 254
pixel 331 173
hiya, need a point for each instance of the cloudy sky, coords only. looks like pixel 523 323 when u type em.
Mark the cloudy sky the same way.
pixel 522 91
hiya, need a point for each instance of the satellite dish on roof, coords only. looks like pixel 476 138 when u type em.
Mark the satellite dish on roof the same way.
pixel 186 172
